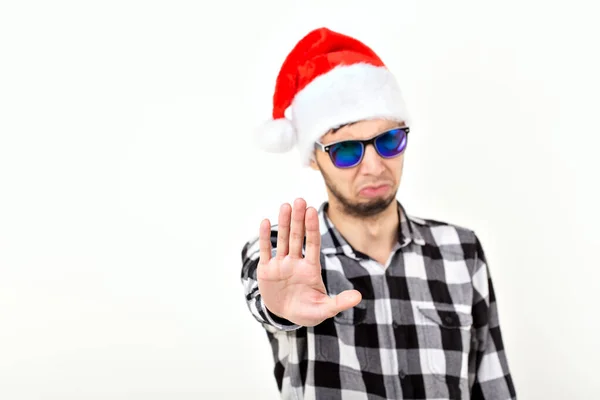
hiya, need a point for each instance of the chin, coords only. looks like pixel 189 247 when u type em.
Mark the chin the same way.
pixel 369 207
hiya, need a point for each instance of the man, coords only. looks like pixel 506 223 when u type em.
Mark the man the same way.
pixel 359 299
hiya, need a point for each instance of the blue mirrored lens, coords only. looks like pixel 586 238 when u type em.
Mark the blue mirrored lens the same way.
pixel 391 143
pixel 346 154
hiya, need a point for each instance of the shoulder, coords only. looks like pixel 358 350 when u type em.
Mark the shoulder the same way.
pixel 447 237
pixel 442 231
pixel 453 244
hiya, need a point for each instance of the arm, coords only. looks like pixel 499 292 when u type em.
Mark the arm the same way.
pixel 250 258
pixel 493 380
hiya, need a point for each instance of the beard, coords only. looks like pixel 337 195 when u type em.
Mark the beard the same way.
pixel 359 209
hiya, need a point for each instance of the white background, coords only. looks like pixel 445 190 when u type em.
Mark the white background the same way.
pixel 129 184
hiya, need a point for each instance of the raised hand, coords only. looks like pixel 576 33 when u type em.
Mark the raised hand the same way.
pixel 291 286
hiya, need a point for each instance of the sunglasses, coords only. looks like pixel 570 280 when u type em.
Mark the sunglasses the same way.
pixel 349 153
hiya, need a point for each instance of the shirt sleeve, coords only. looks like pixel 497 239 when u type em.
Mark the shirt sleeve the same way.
pixel 250 258
pixel 492 377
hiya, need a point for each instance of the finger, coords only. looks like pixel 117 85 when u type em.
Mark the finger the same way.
pixel 297 228
pixel 283 230
pixel 313 237
pixel 264 240
pixel 343 301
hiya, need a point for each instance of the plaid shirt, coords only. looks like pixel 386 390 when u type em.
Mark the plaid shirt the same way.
pixel 427 327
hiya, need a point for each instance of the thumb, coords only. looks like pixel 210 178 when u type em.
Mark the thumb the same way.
pixel 343 301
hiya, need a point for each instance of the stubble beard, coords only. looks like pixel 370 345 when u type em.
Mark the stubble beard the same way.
pixel 360 210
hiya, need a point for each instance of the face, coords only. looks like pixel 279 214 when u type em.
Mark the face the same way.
pixel 368 188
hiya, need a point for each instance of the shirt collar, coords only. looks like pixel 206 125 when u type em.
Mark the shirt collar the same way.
pixel 332 242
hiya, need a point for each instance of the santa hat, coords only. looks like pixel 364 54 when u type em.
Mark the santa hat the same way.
pixel 328 80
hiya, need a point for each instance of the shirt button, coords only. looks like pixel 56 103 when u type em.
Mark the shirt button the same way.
pixel 402 374
pixel 395 324
pixel 449 319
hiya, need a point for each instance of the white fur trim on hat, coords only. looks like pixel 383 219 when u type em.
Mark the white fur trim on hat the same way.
pixel 343 95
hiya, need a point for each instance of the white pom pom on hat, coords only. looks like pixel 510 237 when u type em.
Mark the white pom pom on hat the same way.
pixel 327 80
pixel 276 135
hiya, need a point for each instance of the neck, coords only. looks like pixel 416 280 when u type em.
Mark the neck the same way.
pixel 375 236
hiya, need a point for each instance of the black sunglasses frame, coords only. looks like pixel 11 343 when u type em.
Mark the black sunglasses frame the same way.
pixel 364 143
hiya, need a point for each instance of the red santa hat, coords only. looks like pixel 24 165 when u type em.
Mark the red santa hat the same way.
pixel 328 80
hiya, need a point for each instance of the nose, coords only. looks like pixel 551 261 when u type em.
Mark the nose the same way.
pixel 372 163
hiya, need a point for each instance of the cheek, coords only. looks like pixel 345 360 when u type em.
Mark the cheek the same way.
pixel 400 164
pixel 395 168
pixel 323 159
pixel 342 179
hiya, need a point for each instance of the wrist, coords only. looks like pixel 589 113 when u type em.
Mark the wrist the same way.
pixel 277 318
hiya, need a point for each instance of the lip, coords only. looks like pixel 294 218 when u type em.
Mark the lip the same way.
pixel 375 190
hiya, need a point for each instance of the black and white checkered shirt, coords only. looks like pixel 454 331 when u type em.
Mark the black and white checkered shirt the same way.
pixel 427 327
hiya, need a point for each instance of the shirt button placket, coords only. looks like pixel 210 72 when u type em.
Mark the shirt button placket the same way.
pixel 394 363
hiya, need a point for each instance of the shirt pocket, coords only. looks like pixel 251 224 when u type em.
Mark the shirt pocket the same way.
pixel 445 336
pixel 353 347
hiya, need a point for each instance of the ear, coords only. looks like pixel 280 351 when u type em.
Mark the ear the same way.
pixel 313 163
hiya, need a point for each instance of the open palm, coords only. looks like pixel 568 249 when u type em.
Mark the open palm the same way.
pixel 291 286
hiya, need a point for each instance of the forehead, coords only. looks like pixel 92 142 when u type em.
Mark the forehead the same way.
pixel 359 130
